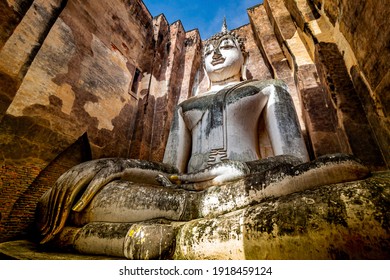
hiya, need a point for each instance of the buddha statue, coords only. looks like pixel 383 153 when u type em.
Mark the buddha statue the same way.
pixel 212 145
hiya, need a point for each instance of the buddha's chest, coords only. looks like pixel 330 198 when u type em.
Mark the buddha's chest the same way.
pixel 223 109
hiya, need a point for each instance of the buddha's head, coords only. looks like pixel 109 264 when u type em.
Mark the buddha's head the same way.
pixel 224 57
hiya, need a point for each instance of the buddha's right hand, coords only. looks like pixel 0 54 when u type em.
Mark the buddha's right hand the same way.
pixel 89 177
pixel 217 174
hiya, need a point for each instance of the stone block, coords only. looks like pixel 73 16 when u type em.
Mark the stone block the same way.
pixel 330 222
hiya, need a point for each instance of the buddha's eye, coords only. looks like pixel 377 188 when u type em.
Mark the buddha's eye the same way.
pixel 208 51
pixel 227 44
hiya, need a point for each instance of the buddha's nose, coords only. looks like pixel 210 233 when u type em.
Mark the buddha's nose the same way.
pixel 217 54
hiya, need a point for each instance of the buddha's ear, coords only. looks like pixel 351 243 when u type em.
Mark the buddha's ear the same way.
pixel 243 66
pixel 208 79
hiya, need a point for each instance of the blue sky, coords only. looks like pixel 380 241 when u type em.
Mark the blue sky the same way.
pixel 206 15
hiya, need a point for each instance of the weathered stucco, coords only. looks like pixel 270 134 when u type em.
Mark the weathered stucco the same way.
pixel 343 221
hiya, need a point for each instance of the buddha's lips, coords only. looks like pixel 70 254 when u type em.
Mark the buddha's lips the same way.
pixel 217 61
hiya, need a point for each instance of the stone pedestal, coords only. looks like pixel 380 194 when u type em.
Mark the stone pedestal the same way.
pixel 338 221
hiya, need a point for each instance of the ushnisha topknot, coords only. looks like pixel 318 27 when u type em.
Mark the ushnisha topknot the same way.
pixel 226 32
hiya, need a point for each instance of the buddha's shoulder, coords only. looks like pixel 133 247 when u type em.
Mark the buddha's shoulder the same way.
pixel 196 102
pixel 255 88
pixel 231 94
pixel 259 85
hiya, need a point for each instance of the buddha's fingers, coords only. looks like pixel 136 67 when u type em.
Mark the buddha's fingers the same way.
pixel 53 193
pixel 44 226
pixel 218 173
pixel 62 196
pixel 65 193
pixel 214 175
pixel 67 202
pixel 56 195
pixel 164 181
pixel 108 173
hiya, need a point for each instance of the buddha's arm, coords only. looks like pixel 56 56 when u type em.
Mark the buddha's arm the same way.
pixel 178 148
pixel 282 123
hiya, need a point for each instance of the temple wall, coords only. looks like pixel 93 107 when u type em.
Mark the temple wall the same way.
pixel 332 53
pixel 81 80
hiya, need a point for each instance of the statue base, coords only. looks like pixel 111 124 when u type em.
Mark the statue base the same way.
pixel 338 221
pixel 29 250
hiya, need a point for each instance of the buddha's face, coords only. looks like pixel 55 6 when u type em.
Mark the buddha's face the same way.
pixel 223 58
